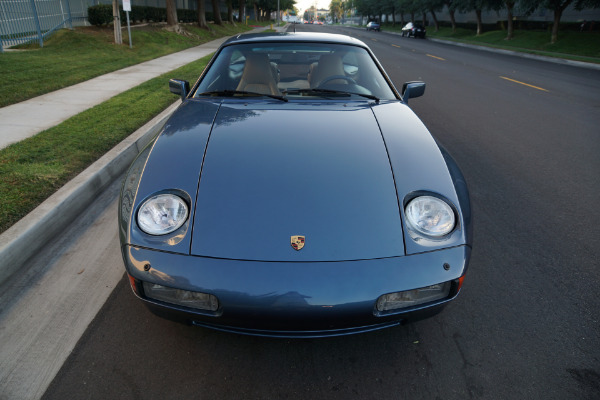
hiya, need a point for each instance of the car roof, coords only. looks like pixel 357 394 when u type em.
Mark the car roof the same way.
pixel 294 37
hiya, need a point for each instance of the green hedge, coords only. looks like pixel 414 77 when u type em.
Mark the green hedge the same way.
pixel 102 14
pixel 526 25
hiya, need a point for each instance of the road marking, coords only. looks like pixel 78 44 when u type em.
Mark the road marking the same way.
pixel 374 40
pixel 438 58
pixel 523 83
pixel 395 45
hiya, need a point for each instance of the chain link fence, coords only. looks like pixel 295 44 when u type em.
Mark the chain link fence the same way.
pixel 23 21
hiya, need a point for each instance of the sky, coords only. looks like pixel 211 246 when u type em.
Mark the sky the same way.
pixel 302 5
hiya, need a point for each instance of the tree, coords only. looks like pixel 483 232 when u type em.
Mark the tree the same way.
pixel 216 12
pixel 433 6
pixel 510 4
pixel 242 13
pixel 465 6
pixel 451 9
pixel 202 14
pixel 389 7
pixel 411 7
pixel 335 9
pixel 172 19
pixel 348 6
pixel 256 14
pixel 230 11
pixel 367 7
pixel 117 23
pixel 558 6
pixel 402 7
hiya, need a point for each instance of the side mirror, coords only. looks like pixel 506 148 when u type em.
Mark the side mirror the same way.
pixel 179 87
pixel 410 90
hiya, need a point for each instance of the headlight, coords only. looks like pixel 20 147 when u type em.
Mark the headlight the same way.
pixel 430 216
pixel 162 214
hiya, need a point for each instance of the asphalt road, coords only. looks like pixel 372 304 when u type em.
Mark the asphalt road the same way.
pixel 526 325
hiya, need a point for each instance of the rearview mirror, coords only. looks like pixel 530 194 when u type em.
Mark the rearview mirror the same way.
pixel 179 87
pixel 410 90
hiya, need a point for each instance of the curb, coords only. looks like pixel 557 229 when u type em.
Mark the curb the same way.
pixel 25 238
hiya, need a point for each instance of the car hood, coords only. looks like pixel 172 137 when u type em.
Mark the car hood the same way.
pixel 314 170
pixel 333 173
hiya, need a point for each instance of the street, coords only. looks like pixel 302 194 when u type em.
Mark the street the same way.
pixel 526 136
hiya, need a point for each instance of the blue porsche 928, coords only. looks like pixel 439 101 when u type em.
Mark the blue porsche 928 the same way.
pixel 294 193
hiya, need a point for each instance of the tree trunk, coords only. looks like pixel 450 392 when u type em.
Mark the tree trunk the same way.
pixel 452 19
pixel 256 16
pixel 479 23
pixel 217 12
pixel 435 21
pixel 230 12
pixel 202 15
pixel 242 12
pixel 509 27
pixel 557 16
pixel 172 13
pixel 117 22
pixel 424 19
pixel 402 19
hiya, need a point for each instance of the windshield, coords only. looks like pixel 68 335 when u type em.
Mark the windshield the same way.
pixel 295 71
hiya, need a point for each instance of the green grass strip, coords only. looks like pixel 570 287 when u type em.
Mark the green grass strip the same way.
pixel 72 56
pixel 580 46
pixel 35 168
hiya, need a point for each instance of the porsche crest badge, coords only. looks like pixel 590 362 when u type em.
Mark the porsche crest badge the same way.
pixel 297 242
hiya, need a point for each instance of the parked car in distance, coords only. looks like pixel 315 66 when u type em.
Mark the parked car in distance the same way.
pixel 373 26
pixel 414 30
pixel 238 218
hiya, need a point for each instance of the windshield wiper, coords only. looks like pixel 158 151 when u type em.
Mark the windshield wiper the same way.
pixel 317 90
pixel 240 92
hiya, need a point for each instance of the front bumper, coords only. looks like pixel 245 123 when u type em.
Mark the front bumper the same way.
pixel 302 299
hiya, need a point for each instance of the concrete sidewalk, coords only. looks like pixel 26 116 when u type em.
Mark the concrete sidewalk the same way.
pixel 22 120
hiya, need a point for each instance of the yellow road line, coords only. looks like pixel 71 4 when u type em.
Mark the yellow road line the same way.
pixel 438 58
pixel 395 45
pixel 523 83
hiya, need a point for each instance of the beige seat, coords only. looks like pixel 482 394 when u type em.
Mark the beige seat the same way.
pixel 258 76
pixel 329 65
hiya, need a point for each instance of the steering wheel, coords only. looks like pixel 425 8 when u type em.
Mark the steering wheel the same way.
pixel 334 77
